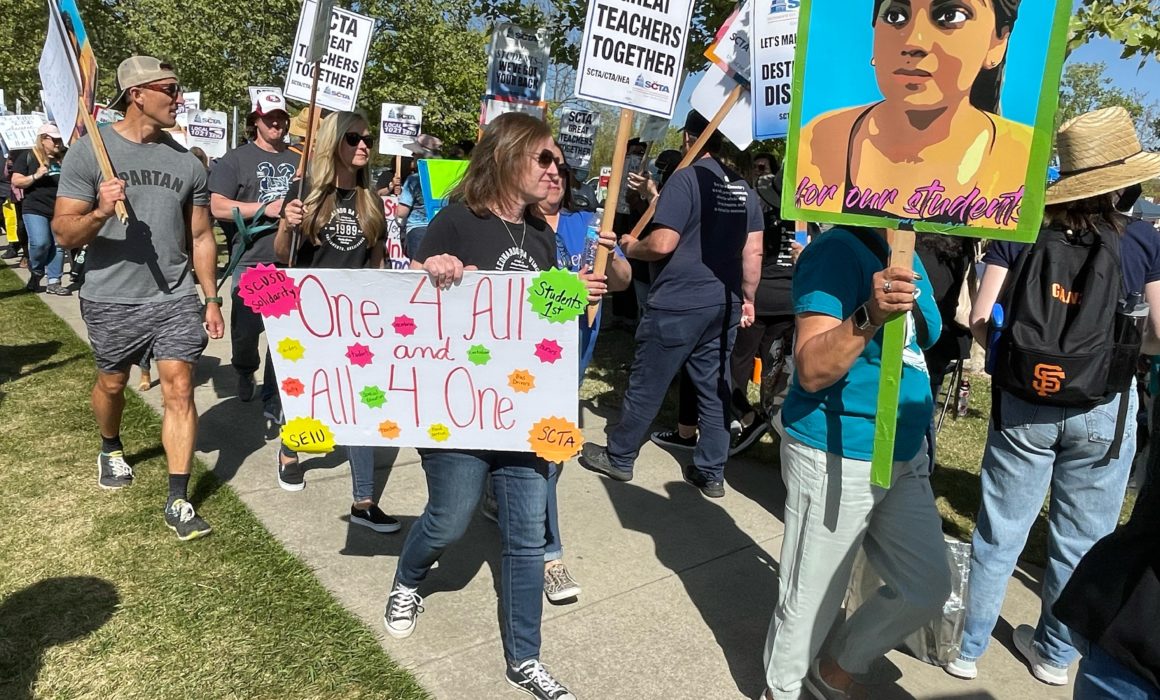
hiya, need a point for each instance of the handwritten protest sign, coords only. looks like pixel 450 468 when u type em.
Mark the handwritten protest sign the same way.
pixel 632 54
pixel 375 357
pixel 438 178
pixel 340 71
pixel 774 38
pixel 398 126
pixel 207 131
pixel 578 136
pixel 517 63
pixel 492 107
pixel 18 131
pixel 955 145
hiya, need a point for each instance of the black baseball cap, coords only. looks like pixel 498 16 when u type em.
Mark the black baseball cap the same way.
pixel 695 124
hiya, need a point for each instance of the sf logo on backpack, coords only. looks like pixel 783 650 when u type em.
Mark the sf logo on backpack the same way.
pixel 1048 379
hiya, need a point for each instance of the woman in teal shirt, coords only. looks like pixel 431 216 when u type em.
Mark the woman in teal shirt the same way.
pixel 842 298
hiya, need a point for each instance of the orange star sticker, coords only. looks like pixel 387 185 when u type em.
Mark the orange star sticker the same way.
pixel 522 381
pixel 389 429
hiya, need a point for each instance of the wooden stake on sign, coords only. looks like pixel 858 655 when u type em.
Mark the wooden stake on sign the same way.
pixel 398 170
pixel 893 343
pixel 623 131
pixel 729 103
pixel 107 171
pixel 304 160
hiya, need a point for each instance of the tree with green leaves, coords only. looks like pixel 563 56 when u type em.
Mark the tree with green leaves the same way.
pixel 1086 87
pixel 1135 24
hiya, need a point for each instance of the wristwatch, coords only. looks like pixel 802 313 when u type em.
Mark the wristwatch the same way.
pixel 862 319
pixel 213 300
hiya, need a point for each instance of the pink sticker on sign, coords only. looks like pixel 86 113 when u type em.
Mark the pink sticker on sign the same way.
pixel 268 291
pixel 548 351
pixel 404 325
pixel 359 355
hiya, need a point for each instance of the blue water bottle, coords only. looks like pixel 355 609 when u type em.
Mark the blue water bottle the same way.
pixel 997 323
pixel 592 240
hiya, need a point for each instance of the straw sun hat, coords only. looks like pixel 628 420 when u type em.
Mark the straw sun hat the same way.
pixel 1099 152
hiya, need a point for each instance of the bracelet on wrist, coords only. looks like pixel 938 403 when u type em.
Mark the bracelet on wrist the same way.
pixel 213 300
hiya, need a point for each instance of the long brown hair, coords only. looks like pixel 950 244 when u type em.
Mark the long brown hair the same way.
pixel 499 161
pixel 320 203
pixel 1089 214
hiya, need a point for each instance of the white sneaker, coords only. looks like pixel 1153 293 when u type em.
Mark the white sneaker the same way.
pixel 961 668
pixel 1024 638
pixel 403 607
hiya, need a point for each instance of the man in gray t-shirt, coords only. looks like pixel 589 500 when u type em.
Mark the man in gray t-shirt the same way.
pixel 139 299
pixel 257 174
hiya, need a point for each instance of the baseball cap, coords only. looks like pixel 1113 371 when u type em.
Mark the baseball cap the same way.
pixel 695 124
pixel 49 129
pixel 139 70
pixel 425 146
pixel 268 103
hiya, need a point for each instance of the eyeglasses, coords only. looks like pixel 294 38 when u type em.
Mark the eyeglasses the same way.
pixel 546 158
pixel 171 90
pixel 352 138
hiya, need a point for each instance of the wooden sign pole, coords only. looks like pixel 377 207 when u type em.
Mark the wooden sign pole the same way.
pixel 623 132
pixel 90 124
pixel 691 154
pixel 893 343
pixel 398 169
pixel 304 159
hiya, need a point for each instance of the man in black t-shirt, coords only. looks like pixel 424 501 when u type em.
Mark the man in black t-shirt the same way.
pixel 254 175
pixel 705 252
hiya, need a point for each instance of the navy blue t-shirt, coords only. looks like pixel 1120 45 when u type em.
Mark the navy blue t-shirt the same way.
pixel 713 209
pixel 1139 256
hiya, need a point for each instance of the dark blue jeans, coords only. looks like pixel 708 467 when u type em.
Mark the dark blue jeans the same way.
pixel 702 341
pixel 455 482
pixel 1101 677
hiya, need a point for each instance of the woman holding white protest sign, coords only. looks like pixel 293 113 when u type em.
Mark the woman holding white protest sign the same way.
pixel 490 224
pixel 342 226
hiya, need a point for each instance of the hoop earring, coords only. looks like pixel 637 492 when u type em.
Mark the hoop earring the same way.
pixel 872 61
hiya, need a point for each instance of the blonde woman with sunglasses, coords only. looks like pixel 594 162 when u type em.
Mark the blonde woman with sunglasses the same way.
pixel 342 226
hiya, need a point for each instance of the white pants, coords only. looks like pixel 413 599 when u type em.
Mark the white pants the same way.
pixel 831 510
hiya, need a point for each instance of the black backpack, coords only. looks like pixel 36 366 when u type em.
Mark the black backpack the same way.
pixel 1059 302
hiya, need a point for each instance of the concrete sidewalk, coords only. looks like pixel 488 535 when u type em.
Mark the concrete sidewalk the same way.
pixel 677 589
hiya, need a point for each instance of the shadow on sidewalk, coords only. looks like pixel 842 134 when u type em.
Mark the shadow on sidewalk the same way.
pixel 48 613
pixel 734 590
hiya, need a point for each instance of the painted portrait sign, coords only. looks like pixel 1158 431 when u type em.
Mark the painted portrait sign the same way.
pixel 942 118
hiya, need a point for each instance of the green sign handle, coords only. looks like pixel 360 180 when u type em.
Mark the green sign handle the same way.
pixel 886 419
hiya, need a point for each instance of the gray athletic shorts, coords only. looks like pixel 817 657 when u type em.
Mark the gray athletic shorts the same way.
pixel 123 334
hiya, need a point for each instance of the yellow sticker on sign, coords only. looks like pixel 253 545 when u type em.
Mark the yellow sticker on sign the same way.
pixel 308 435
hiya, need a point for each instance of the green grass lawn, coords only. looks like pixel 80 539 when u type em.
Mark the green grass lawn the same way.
pixel 98 599
pixel 960 443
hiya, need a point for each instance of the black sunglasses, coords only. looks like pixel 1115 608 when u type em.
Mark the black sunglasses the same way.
pixel 545 158
pixel 352 138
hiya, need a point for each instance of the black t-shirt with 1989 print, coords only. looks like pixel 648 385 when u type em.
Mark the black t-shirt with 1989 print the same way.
pixel 488 242
pixel 341 243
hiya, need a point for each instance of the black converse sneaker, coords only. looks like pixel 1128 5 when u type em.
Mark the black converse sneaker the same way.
pixel 374 518
pixel 113 472
pixel 403 607
pixel 532 678
pixel 184 520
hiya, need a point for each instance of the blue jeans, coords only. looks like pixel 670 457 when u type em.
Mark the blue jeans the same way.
pixel 412 240
pixel 45 257
pixel 702 341
pixel 1101 677
pixel 553 546
pixel 362 470
pixel 1040 446
pixel 455 482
